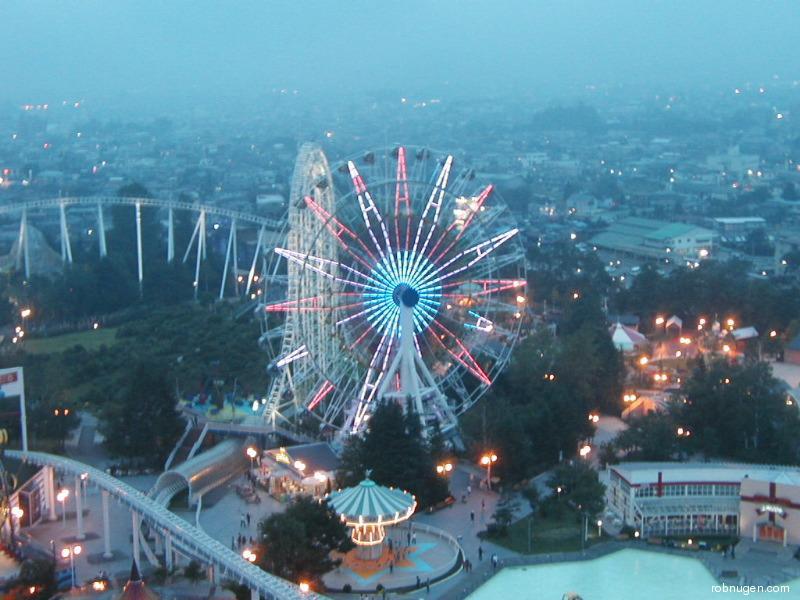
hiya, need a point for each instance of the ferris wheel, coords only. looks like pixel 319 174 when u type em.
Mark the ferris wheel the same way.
pixel 405 281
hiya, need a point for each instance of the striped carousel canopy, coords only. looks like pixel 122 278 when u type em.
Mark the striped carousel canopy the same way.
pixel 369 502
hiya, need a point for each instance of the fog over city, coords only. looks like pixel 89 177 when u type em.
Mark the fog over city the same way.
pixel 197 50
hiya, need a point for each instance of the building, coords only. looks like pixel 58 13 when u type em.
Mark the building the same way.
pixel 662 499
pixel 736 229
pixel 627 339
pixel 791 353
pixel 651 239
pixel 302 469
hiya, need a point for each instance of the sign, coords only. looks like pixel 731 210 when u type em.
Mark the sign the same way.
pixel 12 383
pixel 772 508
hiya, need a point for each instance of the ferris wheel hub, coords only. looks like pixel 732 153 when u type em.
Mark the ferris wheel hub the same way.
pixel 405 295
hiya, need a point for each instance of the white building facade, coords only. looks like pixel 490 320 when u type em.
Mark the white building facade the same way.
pixel 663 499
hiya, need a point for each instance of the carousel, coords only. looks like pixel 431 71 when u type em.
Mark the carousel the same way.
pixel 367 509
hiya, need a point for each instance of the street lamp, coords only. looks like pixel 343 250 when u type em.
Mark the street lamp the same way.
pixel 304 587
pixel 252 453
pixel 487 460
pixel 62 496
pixel 249 555
pixel 599 528
pixel 444 468
pixel 585 450
pixel 70 552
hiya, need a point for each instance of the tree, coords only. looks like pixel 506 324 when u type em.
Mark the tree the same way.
pixel 394 449
pixel 580 485
pixel 141 422
pixel 502 517
pixel 536 410
pixel 297 544
pixel 739 411
pixel 651 437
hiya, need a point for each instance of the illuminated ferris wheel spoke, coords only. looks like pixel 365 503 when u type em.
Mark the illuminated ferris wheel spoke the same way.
pixel 461 355
pixel 326 388
pixel 370 209
pixel 487 287
pixel 435 204
pixel 321 266
pixel 473 254
pixel 472 211
pixel 375 374
pixel 339 230
pixel 402 197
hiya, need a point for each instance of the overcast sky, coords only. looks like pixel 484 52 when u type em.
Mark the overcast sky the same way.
pixel 86 48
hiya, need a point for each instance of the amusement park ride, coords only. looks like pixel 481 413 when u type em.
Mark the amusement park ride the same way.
pixel 396 275
pixel 404 280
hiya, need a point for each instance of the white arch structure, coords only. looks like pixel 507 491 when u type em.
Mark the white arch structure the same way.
pixel 198 239
pixel 178 534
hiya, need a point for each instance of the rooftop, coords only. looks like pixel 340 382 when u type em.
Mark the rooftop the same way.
pixel 638 473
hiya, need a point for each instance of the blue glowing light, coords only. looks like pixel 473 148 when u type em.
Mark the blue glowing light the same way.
pixel 395 274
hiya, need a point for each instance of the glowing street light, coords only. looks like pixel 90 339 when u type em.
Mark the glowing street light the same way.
pixel 70 552
pixel 594 418
pixel 62 496
pixel 25 313
pixel 444 468
pixel 249 555
pixel 659 321
pixel 599 528
pixel 585 450
pixel 487 460
pixel 304 587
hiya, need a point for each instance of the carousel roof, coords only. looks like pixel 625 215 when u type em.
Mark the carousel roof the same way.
pixel 135 589
pixel 370 502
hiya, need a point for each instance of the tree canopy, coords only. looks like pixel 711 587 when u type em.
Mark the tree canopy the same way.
pixel 394 449
pixel 297 543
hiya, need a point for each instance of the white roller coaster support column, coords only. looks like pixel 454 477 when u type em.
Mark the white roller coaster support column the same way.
pixel 50 492
pixel 252 272
pixel 81 534
pixel 22 245
pixel 66 248
pixel 170 236
pixel 135 535
pixel 168 558
pixel 139 243
pixel 201 250
pixel 235 259
pixel 191 240
pixel 106 526
pixel 231 237
pixel 101 231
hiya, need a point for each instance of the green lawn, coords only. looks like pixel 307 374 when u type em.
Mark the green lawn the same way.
pixel 92 339
pixel 551 534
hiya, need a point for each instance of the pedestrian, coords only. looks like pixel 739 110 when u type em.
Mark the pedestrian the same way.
pixel 408 538
pixel 469 489
pixel 733 551
pixel 480 553
pixel 248 519
pixel 483 505
pixel 413 538
pixel 472 516
pixel 494 561
pixel 428 585
pixel 418 582
pixel 391 567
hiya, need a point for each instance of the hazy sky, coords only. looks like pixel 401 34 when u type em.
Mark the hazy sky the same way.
pixel 85 48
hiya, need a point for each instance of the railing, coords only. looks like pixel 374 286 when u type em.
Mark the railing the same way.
pixel 171 457
pixel 190 540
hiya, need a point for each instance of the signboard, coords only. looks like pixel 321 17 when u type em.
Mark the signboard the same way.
pixel 12 384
